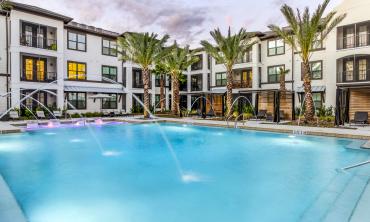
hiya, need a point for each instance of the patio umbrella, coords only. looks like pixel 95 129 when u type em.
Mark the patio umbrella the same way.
pixel 101 97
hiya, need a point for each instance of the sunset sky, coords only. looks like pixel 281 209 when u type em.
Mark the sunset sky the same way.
pixel 188 21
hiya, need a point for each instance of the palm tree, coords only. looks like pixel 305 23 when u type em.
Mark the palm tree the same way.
pixel 283 72
pixel 304 33
pixel 4 4
pixel 178 60
pixel 161 71
pixel 226 51
pixel 145 50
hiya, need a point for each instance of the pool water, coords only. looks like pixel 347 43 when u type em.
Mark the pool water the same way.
pixel 60 175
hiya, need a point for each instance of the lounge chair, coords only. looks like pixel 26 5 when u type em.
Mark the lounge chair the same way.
pixel 211 113
pixel 282 115
pixel 117 113
pixel 40 114
pixel 269 117
pixel 262 114
pixel 57 114
pixel 14 115
pixel 106 113
pixel 360 118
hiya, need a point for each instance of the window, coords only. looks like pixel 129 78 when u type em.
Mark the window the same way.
pixel 196 82
pixel 274 73
pixel 198 65
pixel 157 99
pixel 109 72
pixel 109 47
pixel 76 41
pixel 110 103
pixel 362 69
pixel 318 42
pixel 348 74
pixel 316 70
pixel 349 37
pixel 221 79
pixel 34 69
pixel 77 100
pixel 246 58
pixel 362 35
pixel 76 71
pixel 276 47
pixel 317 100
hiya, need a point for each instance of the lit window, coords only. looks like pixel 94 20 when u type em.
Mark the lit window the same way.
pixel 76 71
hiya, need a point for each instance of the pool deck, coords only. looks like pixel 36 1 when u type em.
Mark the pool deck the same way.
pixel 360 132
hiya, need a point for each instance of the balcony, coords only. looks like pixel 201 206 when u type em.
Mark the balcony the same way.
pixel 140 85
pixel 38 36
pixel 353 36
pixel 39 42
pixel 242 84
pixel 38 69
pixel 39 76
pixel 353 69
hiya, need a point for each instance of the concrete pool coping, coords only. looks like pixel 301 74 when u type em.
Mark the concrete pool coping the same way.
pixel 351 133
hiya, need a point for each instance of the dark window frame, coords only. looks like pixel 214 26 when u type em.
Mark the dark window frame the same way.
pixel 77 42
pixel 76 105
pixel 276 54
pixel 222 80
pixel 108 102
pixel 76 79
pixel 198 65
pixel 195 85
pixel 277 80
pixel 110 67
pixel 114 54
pixel 311 63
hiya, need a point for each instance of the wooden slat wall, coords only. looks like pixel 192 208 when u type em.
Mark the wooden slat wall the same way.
pixel 217 104
pixel 359 102
pixel 266 102
pixel 286 104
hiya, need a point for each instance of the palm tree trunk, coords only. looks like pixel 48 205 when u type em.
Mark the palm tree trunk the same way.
pixel 162 98
pixel 309 106
pixel 229 93
pixel 282 85
pixel 175 96
pixel 146 92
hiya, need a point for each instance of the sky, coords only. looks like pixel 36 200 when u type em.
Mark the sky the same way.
pixel 187 21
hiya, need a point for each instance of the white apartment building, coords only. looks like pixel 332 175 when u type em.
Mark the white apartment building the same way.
pixel 39 47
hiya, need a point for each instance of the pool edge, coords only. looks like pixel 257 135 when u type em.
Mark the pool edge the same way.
pixel 10 210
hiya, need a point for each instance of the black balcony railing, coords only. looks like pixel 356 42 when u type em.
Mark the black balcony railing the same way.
pixel 197 87
pixel 242 84
pixel 353 41
pixel 39 76
pixel 353 76
pixel 140 85
pixel 38 42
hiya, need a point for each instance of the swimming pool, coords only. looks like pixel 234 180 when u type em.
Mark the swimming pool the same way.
pixel 63 174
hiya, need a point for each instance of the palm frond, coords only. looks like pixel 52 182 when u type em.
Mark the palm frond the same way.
pixel 307 28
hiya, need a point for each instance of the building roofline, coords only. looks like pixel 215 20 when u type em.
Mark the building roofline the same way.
pixel 39 11
pixel 91 30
